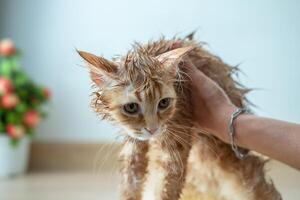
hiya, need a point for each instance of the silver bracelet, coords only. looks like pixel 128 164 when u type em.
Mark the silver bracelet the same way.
pixel 238 151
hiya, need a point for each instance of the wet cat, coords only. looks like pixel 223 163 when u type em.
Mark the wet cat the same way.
pixel 146 92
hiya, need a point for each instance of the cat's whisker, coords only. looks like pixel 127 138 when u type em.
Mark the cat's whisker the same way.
pixel 114 167
pixel 182 141
pixel 100 163
pixel 174 155
pixel 181 167
pixel 199 138
pixel 177 159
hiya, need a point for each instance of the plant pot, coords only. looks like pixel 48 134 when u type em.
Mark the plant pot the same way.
pixel 13 159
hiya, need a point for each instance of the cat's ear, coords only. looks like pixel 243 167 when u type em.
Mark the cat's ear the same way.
pixel 101 70
pixel 171 59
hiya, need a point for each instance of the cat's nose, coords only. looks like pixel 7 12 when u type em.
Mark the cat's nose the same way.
pixel 151 130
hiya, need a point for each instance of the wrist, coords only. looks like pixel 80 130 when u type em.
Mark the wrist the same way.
pixel 223 121
pixel 242 124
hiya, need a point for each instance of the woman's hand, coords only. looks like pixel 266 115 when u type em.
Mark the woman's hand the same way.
pixel 212 111
pixel 212 107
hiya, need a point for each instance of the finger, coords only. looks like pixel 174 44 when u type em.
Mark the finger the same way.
pixel 195 74
pixel 189 68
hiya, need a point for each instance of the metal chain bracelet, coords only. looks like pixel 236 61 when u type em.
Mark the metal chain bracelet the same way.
pixel 231 129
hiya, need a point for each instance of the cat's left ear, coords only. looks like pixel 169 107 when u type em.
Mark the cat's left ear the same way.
pixel 171 59
pixel 101 70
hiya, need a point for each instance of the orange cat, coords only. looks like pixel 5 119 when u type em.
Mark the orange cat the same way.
pixel 146 92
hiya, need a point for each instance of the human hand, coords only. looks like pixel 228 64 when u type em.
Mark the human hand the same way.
pixel 212 108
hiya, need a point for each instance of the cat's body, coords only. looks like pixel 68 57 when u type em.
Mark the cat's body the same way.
pixel 182 162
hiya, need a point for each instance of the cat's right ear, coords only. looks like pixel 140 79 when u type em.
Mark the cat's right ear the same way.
pixel 101 70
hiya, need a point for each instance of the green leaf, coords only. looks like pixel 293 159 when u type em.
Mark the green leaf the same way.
pixel 21 80
pixel 21 107
pixel 6 68
pixel 14 142
pixel 43 114
pixel 15 62
pixel 13 118
pixel 2 127
pixel 30 132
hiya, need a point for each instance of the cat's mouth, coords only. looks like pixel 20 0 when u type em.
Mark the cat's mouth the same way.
pixel 146 134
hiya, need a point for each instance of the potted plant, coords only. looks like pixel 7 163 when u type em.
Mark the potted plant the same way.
pixel 21 109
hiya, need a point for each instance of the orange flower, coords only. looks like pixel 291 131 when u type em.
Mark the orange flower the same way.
pixel 5 85
pixel 7 47
pixel 9 100
pixel 47 93
pixel 15 131
pixel 31 118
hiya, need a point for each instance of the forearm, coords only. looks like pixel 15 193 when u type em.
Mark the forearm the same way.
pixel 277 139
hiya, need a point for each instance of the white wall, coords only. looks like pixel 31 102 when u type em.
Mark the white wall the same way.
pixel 263 35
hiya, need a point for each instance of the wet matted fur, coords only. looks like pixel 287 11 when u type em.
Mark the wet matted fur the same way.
pixel 181 162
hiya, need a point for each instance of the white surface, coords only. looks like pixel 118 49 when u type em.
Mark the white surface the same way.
pixel 104 185
pixel 263 35
pixel 13 160
pixel 61 186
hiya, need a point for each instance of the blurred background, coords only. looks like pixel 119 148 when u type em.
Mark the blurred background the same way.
pixel 261 36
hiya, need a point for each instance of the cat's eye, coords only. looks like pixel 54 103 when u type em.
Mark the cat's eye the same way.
pixel 164 103
pixel 131 108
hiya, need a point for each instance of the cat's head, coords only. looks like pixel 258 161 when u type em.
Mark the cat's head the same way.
pixel 137 91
